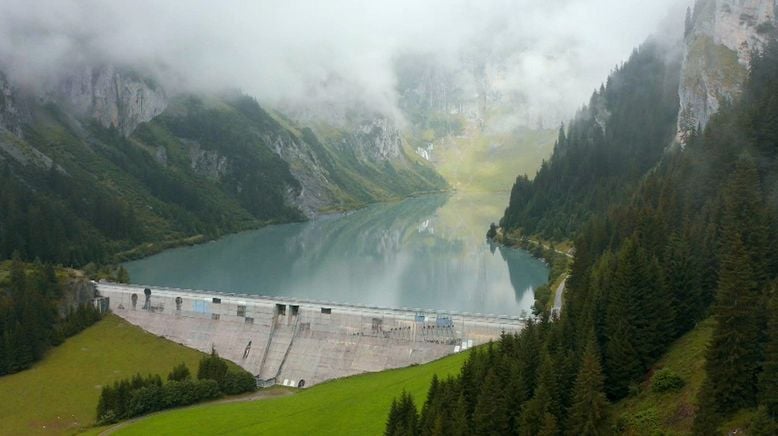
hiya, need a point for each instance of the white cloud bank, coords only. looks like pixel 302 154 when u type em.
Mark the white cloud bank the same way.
pixel 557 51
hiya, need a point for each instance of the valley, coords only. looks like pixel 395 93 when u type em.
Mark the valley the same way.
pixel 405 218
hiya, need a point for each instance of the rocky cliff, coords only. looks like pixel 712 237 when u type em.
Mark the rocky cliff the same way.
pixel 114 97
pixel 720 36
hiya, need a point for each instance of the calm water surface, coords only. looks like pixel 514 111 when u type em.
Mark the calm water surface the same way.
pixel 428 252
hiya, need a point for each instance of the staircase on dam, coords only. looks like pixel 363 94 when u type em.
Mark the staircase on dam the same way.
pixel 279 342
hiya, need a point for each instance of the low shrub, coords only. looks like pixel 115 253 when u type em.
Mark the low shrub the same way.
pixel 665 380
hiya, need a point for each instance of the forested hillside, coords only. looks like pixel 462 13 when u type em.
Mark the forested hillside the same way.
pixel 602 154
pixel 693 240
pixel 76 190
pixel 40 306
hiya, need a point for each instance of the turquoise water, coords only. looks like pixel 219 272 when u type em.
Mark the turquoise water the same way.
pixel 428 252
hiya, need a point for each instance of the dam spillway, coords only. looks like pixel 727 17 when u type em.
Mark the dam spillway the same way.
pixel 301 342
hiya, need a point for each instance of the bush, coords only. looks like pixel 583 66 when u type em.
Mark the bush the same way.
pixel 179 373
pixel 238 382
pixel 178 393
pixel 145 400
pixel 212 367
pixel 666 380
pixel 184 393
pixel 206 390
pixel 140 395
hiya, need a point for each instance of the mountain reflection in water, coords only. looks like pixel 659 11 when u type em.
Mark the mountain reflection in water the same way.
pixel 427 252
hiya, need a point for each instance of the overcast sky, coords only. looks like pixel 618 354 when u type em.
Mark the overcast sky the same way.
pixel 289 50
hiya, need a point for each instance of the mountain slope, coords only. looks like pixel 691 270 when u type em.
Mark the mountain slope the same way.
pixel 604 151
pixel 103 161
pixel 692 240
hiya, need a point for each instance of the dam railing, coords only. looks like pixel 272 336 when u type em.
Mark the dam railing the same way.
pixel 361 308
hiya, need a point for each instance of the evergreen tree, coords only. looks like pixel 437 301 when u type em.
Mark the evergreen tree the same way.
pixel 764 423
pixel 549 426
pixel 734 354
pixel 460 426
pixel 430 413
pixel 491 412
pixel 403 417
pixel 707 416
pixel 179 373
pixel 212 367
pixel 589 412
pixel 621 360
pixel 681 277
pixel 768 379
pixel 393 420
pixel 545 401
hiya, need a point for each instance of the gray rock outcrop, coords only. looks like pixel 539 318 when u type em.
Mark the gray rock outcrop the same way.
pixel 719 40
pixel 115 98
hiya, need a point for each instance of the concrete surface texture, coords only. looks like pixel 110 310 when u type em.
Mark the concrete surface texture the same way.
pixel 297 342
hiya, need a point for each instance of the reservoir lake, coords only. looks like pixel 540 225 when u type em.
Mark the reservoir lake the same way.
pixel 427 252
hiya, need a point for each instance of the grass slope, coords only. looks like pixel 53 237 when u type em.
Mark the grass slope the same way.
pixel 59 394
pixel 355 405
pixel 650 413
pixel 487 163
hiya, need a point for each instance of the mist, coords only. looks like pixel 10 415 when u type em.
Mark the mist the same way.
pixel 312 53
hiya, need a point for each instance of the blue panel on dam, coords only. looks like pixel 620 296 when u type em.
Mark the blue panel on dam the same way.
pixel 199 306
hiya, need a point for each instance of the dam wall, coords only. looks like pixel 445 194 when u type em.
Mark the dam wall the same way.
pixel 301 342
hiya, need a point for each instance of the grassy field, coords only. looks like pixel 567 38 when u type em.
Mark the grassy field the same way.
pixel 59 394
pixel 355 405
pixel 490 163
pixel 650 413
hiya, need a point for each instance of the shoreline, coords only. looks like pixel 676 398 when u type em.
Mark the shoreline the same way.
pixel 148 249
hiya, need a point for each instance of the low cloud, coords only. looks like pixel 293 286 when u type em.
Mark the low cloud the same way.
pixel 298 52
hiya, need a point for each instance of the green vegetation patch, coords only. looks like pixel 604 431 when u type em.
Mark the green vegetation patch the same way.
pixel 481 162
pixel 356 405
pixel 59 394
pixel 672 411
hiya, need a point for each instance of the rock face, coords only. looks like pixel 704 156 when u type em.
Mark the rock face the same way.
pixel 115 98
pixel 307 168
pixel 10 114
pixel 376 140
pixel 206 163
pixel 719 39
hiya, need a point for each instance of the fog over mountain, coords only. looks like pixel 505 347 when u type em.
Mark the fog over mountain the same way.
pixel 304 52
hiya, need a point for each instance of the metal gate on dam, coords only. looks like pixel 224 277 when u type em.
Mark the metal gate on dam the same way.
pixel 301 342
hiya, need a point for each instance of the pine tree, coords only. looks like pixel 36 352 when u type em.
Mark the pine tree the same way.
pixel 491 412
pixel 544 401
pixel 681 279
pixel 409 422
pixel 768 379
pixel 734 354
pixel 622 362
pixel 588 414
pixel 429 413
pixel 403 417
pixel 764 424
pixel 707 416
pixel 392 421
pixel 460 425
pixel 549 426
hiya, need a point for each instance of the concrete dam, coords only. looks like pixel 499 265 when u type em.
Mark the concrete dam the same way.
pixel 300 342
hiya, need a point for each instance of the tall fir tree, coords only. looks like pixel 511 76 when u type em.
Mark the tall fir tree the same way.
pixel 733 358
pixel 681 278
pixel 491 415
pixel 589 413
pixel 768 379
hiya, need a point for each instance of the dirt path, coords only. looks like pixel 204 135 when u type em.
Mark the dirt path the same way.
pixel 264 394
pixel 557 310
